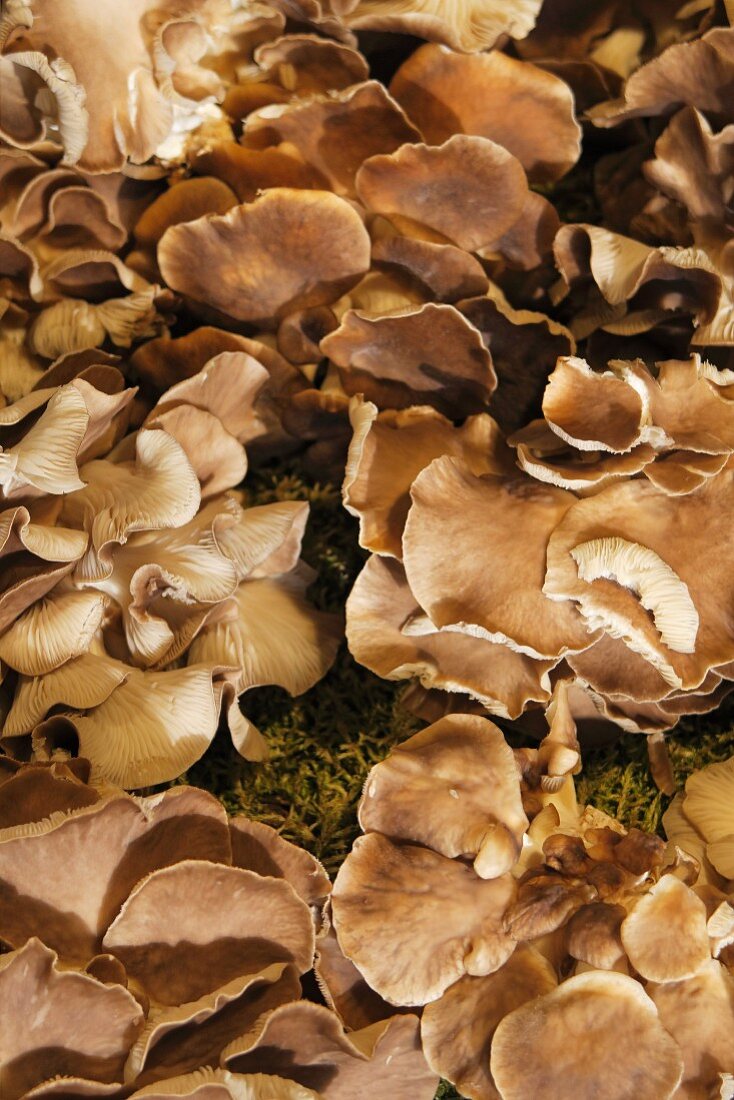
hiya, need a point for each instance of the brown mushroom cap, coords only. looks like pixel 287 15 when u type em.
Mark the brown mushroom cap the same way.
pixel 476 25
pixel 78 1027
pixel 388 632
pixel 665 935
pixel 491 95
pixel 183 202
pixel 453 787
pixel 220 1084
pixel 227 922
pixel 447 272
pixel 304 63
pixel 307 1042
pixel 707 806
pixel 469 189
pixel 285 251
pixel 592 935
pixel 335 134
pixel 589 1037
pixel 613 411
pixel 429 355
pixel 414 921
pixel 37 791
pixel 502 523
pixel 457 1029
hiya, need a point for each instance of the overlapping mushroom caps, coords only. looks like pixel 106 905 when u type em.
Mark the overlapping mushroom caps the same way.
pixel 161 945
pixel 555 951
pixel 140 596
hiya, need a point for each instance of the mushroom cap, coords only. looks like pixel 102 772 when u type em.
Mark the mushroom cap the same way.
pixel 37 791
pixel 413 921
pixel 536 1048
pixel 227 922
pixel 492 519
pixel 305 63
pixel 220 1084
pixel 665 934
pixel 287 250
pixel 389 633
pixel 257 847
pixel 477 25
pixel 429 355
pixel 453 787
pixel 55 629
pixel 447 272
pixel 591 410
pixel 80 1026
pixel 491 95
pixel 592 935
pixel 469 189
pixel 707 806
pixel 458 1028
pixel 307 1042
pixel 334 134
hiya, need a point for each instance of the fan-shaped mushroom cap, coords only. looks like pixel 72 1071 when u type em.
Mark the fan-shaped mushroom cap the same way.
pixel 78 1026
pixel 227 922
pixel 473 26
pixel 613 410
pixel 307 1042
pixel 592 935
pixel 453 787
pixel 390 634
pixel 48 890
pixel 388 451
pixel 183 202
pixel 44 458
pixel 276 637
pixel 341 984
pixel 220 1084
pixel 447 272
pixel 491 95
pixel 684 836
pixel 257 847
pixel 414 921
pixel 692 163
pixel 216 457
pixel 661 554
pixel 708 806
pixel 469 189
pixel 699 1014
pixel 665 935
pixel 429 355
pixel 285 251
pixel 37 791
pixel 536 1048
pixel 249 171
pixel 492 518
pixel 36 557
pixel 610 667
pixel 183 1037
pixel 457 1029
pixel 304 63
pixel 52 631
pixel 335 134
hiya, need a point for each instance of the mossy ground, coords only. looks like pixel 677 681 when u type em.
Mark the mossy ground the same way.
pixel 323 743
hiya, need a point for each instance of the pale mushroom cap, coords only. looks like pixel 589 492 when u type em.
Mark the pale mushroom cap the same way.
pixel 476 25
pixel 414 922
pixel 287 250
pixel 220 1084
pixel 453 787
pixel 665 934
pixel 590 1037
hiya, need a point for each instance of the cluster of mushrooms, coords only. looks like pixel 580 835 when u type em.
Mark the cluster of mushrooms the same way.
pixel 473 260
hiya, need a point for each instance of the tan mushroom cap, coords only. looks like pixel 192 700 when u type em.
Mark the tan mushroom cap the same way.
pixel 78 1027
pixel 183 202
pixel 536 1049
pixel 692 163
pixel 257 847
pixel 414 922
pixel 304 63
pixel 342 986
pixel 427 355
pixel 335 134
pixel 285 251
pixel 592 936
pixel 469 189
pixel 491 95
pixel 181 1038
pixel 502 525
pixel 476 25
pixel 388 451
pixel 613 410
pixel 447 272
pixel 457 1029
pixel 220 1084
pixel 708 807
pixel 216 457
pixel 45 457
pixel 35 558
pixel 699 1014
pixel 307 1042
pixel 690 402
pixel 665 935
pixel 663 554
pixel 388 632
pixel 52 631
pixel 249 171
pixel 188 929
pixel 453 787
pixel 611 668
pixel 684 836
pixel 48 890
pixel 36 791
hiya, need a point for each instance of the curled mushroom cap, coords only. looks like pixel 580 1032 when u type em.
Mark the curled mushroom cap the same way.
pixel 473 26
pixel 453 787
pixel 469 189
pixel 613 409
pixel 286 251
pixel 533 1051
pixel 414 921
pixel 706 807
pixel 491 95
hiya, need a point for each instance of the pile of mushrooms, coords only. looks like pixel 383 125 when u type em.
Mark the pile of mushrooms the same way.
pixel 556 952
pixel 155 947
